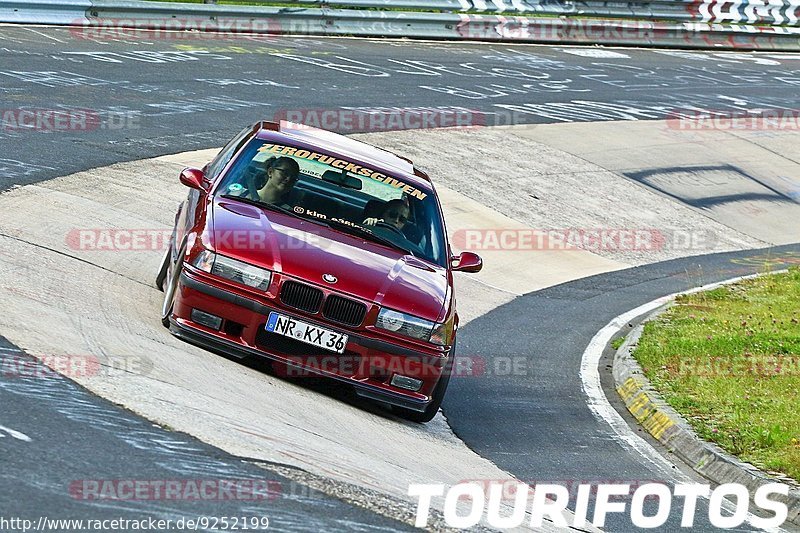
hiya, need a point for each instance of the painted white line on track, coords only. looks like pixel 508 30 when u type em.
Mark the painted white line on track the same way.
pixel 599 53
pixel 15 434
pixel 45 35
pixel 603 410
pixel 11 350
pixel 596 398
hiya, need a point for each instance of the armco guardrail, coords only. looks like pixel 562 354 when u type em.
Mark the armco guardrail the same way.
pixel 44 11
pixel 773 12
pixel 761 25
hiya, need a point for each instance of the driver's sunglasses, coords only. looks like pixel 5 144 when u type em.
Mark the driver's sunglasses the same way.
pixel 285 172
pixel 396 215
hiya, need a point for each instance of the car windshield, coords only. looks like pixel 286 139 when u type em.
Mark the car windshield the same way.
pixel 342 194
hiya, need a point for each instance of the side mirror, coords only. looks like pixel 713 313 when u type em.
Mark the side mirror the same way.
pixel 467 262
pixel 194 179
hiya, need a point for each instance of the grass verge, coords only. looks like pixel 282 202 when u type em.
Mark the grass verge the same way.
pixel 728 360
pixel 616 343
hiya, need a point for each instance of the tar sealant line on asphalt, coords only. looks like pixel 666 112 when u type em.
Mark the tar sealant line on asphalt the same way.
pixel 496 288
pixel 603 410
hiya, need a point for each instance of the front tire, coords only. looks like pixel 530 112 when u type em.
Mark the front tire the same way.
pixel 436 398
pixel 163 269
pixel 170 285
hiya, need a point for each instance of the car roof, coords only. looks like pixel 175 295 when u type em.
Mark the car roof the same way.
pixel 345 147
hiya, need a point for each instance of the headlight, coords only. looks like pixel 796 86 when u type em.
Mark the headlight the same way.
pixel 204 261
pixel 238 271
pixel 443 333
pixel 241 272
pixel 407 325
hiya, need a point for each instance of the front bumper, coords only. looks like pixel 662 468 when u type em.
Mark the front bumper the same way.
pixel 375 358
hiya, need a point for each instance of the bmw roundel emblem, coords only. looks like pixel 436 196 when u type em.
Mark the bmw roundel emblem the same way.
pixel 330 278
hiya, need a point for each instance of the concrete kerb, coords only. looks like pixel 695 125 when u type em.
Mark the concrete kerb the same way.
pixel 664 424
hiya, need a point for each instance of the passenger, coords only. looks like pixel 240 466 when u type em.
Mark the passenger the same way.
pixel 395 213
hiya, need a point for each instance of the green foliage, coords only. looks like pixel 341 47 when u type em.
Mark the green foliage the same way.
pixel 729 361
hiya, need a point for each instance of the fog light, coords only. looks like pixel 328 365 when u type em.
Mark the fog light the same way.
pixel 206 319
pixel 405 382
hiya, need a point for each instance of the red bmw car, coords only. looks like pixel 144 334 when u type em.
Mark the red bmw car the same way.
pixel 327 256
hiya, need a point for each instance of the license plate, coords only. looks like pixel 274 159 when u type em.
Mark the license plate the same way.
pixel 310 334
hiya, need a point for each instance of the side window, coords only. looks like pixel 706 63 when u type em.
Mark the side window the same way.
pixel 225 154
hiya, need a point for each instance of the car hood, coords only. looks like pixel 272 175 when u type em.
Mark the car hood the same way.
pixel 302 249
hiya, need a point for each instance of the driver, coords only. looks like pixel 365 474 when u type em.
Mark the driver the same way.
pixel 395 213
pixel 278 189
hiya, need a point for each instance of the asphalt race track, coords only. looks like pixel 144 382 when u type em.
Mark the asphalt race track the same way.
pixel 72 431
pixel 161 97
pixel 151 98
pixel 507 427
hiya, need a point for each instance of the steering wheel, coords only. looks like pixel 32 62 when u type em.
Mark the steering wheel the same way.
pixel 406 243
pixel 381 224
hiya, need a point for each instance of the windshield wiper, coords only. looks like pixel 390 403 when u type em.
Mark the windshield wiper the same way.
pixel 259 203
pixel 361 232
